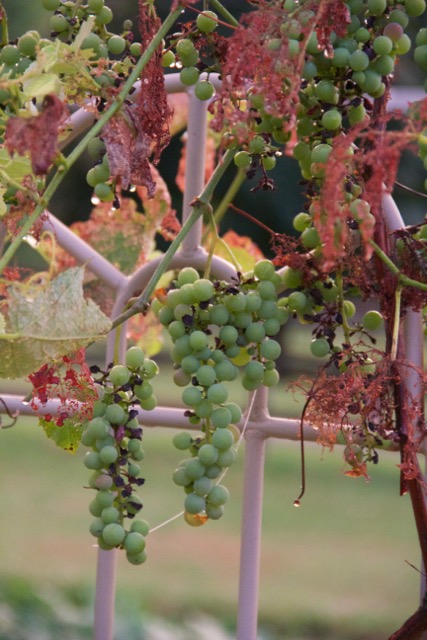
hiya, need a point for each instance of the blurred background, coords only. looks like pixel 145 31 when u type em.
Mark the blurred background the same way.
pixel 343 566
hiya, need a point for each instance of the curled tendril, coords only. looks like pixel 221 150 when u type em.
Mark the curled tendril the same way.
pixel 12 416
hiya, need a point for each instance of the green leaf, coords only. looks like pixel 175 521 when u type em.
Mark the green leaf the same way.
pixel 15 168
pixel 3 209
pixel 46 324
pixel 42 85
pixel 67 436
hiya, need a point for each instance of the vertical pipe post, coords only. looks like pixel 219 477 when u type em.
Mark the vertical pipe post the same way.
pixel 105 595
pixel 250 551
pixel 195 169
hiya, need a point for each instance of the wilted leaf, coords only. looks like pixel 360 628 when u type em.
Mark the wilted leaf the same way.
pixel 37 135
pixel 48 324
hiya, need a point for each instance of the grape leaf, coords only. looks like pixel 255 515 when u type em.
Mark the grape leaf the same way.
pixel 15 168
pixel 67 436
pixel 46 324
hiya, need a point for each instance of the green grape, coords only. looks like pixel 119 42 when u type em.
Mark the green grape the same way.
pixel 119 375
pixel 140 526
pixel 134 543
pixel 349 308
pixel 143 391
pixel 116 45
pixel 253 300
pixel 226 371
pixel 108 455
pixel 357 114
pixel 10 54
pixel 218 495
pixel 310 236
pixel 327 92
pixel 208 455
pixel 97 527
pixel 185 47
pixel 97 427
pixel 228 334
pixel 291 278
pixel 110 514
pixel 358 60
pixel 271 326
pixel 95 6
pixel 222 439
pixel 255 332
pixel 372 82
pixel 113 534
pixel 104 16
pixel 266 290
pixel 190 59
pixel 217 393
pixel 205 375
pixel 194 468
pixel 204 90
pixel 134 470
pixel 320 347
pixel 148 404
pixel 242 159
pixel 59 23
pixel 214 513
pixel 95 509
pixel 257 145
pixel 227 458
pixel 403 45
pixel 377 7
pixel 264 270
pixel 271 349
pixel 51 5
pixel 384 65
pixel 362 35
pixel 218 314
pixel 168 58
pixel 331 119
pixel 202 486
pixel 382 45
pixel 104 498
pixel 198 340
pixel 190 364
pixel 271 377
pixel 421 37
pixel 191 396
pixel 420 56
pixel 301 151
pixel 180 478
pixel 220 418
pixel 372 320
pixel 203 290
pixel 194 503
pixel 207 21
pixel 204 408
pixel 415 8
pixel 189 76
pixel 254 370
pixel 187 275
pixel 138 559
pixel 235 412
pixel 27 44
pixel 268 162
pixel 134 358
pixel 320 153
pixel 182 441
pixel 93 461
pixel 115 414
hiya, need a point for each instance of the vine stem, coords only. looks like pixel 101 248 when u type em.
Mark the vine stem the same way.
pixel 402 278
pixel 218 6
pixel 396 322
pixel 97 128
pixel 4 25
pixel 200 206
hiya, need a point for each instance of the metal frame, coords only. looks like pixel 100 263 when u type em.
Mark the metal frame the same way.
pixel 258 424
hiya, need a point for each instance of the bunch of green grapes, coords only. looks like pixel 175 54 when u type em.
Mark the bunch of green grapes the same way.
pixel 218 328
pixel 114 436
pixel 186 55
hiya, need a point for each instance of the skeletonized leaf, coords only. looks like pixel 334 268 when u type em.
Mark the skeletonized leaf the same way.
pixel 67 436
pixel 49 324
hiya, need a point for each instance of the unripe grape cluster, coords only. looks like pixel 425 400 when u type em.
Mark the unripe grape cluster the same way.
pixel 114 436
pixel 216 329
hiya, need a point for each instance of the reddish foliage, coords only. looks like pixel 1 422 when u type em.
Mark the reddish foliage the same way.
pixel 154 112
pixel 128 149
pixel 38 134
pixel 71 382
pixel 333 16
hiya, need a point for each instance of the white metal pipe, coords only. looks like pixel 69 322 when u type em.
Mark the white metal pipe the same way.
pixel 250 550
pixel 105 595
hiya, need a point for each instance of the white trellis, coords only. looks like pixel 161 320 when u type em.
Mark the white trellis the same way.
pixel 259 425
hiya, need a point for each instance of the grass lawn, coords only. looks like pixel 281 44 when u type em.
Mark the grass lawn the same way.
pixel 337 567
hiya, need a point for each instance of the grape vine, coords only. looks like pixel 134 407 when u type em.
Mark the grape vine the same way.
pixel 309 79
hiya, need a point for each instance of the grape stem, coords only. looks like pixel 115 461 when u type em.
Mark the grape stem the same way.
pixel 216 239
pixel 345 325
pixel 217 6
pixel 4 25
pixel 200 206
pixel 396 322
pixel 401 277
pixel 94 131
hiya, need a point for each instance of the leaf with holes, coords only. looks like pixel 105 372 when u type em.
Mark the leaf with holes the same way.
pixel 47 323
